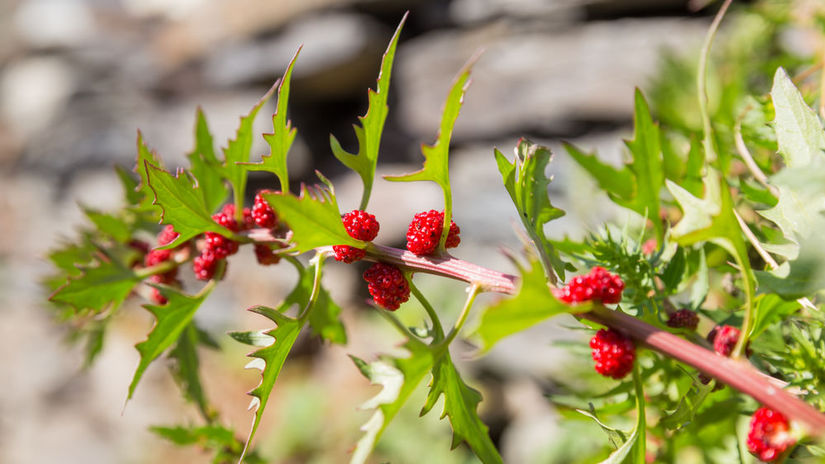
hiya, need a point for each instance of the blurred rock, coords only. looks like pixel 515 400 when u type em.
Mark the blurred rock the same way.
pixel 55 23
pixel 539 80
pixel 33 91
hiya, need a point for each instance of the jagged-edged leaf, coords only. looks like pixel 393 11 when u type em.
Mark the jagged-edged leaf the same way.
pixel 460 406
pixel 171 320
pixel 799 132
pixel 770 308
pixel 270 359
pixel 633 450
pixel 182 205
pixel 533 303
pixel 145 155
pixel 688 406
pixel 70 255
pixel 636 186
pixel 795 279
pixel 436 156
pixel 186 368
pixel 110 225
pixel 130 185
pixel 237 151
pixel 399 377
pixel 205 167
pixel 313 217
pixel 103 283
pixel 323 316
pixel 526 182
pixel 283 134
pixel 369 132
pixel 213 437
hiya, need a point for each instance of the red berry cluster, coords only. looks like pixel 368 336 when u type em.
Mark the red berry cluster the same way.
pixel 598 284
pixel 613 353
pixel 425 230
pixel 360 225
pixel 724 339
pixel 263 214
pixel 387 285
pixel 683 319
pixel 769 435
pixel 155 257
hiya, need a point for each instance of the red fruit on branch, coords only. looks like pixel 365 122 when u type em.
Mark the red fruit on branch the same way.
pixel 724 339
pixel 613 353
pixel 425 230
pixel 263 214
pixel 387 285
pixel 769 435
pixel 598 284
pixel 266 255
pixel 167 235
pixel 205 265
pixel 360 225
pixel 683 319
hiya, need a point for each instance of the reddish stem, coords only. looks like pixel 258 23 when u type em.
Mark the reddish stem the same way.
pixel 738 374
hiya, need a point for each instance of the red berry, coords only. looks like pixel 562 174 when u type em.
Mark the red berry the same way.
pixel 360 225
pixel 262 213
pixel 167 235
pixel 226 218
pixel 769 434
pixel 248 220
pixel 220 245
pixel 425 230
pixel 387 285
pixel 683 319
pixel 155 294
pixel 205 265
pixel 266 255
pixel 156 257
pixel 598 285
pixel 613 353
pixel 724 339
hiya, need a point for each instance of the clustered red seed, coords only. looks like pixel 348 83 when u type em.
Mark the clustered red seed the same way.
pixel 158 256
pixel 360 225
pixel 205 265
pixel 769 435
pixel 262 214
pixel 387 285
pixel 598 284
pixel 724 339
pixel 425 230
pixel 683 319
pixel 613 353
pixel 167 235
pixel 266 255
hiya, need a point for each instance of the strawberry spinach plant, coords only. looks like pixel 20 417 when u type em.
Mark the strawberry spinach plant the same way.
pixel 705 315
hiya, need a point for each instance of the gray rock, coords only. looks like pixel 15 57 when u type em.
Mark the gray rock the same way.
pixel 535 79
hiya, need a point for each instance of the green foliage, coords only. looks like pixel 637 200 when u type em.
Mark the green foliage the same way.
pixel 205 167
pixel 526 182
pixel 215 438
pixel 372 125
pixel 104 284
pixel 171 321
pixel 280 140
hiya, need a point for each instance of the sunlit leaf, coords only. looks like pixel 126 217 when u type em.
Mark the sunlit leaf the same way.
pixel 205 167
pixel 104 283
pixel 798 129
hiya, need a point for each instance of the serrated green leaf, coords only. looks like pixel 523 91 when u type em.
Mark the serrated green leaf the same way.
pixel 252 338
pixel 145 155
pixel 436 156
pixel 313 217
pixel 100 285
pixel 237 151
pixel 526 182
pixel 688 406
pixel 323 316
pixel 770 309
pixel 369 132
pixel 633 450
pixel 269 360
pixel 799 132
pixel 182 205
pixel 283 134
pixel 130 185
pixel 171 320
pixel 205 167
pixel 756 193
pixel 460 406
pixel 186 369
pixel 110 225
pixel 794 279
pixel 533 303
pixel 618 183
pixel 399 377
pixel 70 255
pixel 211 437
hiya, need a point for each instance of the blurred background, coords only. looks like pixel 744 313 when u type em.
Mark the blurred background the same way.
pixel 78 77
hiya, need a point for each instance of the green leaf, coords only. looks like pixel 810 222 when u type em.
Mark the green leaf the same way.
pixel 186 367
pixel 216 438
pixel 369 132
pixel 283 134
pixel 110 225
pixel 270 359
pixel 172 319
pixel 237 151
pixel 313 217
pixel 688 406
pixel 205 167
pixel 98 286
pixel 399 377
pixel 182 205
pixel 526 182
pixel 533 303
pixel 144 155
pixel 460 406
pixel 798 129
pixel 794 279
pixel 634 448
pixel 799 207
pixel 636 186
pixel 323 316
pixel 436 156
pixel 770 309
pixel 130 185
